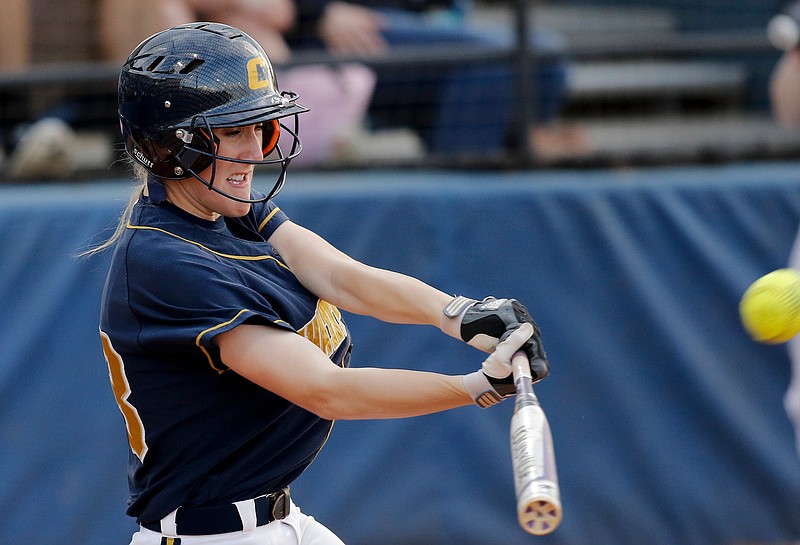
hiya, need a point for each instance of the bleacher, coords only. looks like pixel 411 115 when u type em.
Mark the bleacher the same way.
pixel 649 82
pixel 652 87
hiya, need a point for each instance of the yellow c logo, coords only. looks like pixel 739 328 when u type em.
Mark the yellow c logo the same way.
pixel 258 73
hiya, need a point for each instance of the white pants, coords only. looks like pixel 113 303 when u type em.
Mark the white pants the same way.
pixel 296 529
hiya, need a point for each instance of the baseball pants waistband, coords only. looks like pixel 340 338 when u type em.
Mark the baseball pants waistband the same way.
pixel 239 516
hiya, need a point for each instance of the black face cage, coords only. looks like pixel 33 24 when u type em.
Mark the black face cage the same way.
pixel 198 152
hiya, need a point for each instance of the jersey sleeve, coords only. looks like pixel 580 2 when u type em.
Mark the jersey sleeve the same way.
pixel 268 218
pixel 264 218
pixel 184 296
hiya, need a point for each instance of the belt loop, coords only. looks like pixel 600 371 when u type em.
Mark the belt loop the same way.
pixel 247 512
pixel 168 526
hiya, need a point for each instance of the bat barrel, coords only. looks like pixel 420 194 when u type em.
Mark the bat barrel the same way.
pixel 533 458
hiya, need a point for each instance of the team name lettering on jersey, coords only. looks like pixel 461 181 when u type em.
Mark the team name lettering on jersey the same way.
pixel 326 329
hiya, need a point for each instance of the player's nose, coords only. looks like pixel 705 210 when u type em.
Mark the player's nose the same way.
pixel 251 144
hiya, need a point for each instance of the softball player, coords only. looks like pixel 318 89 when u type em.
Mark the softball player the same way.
pixel 220 317
pixel 784 88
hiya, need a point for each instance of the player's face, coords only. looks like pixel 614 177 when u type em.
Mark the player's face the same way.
pixel 232 178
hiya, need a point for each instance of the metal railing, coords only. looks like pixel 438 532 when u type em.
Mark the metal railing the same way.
pixel 75 77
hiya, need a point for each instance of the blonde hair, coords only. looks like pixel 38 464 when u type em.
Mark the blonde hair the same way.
pixel 140 186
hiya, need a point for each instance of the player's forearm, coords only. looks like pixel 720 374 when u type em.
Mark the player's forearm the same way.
pixel 388 296
pixel 353 286
pixel 369 393
pixel 292 367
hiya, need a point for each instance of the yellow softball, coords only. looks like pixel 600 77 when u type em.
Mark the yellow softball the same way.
pixel 770 308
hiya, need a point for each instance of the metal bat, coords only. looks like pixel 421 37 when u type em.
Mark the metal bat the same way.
pixel 533 457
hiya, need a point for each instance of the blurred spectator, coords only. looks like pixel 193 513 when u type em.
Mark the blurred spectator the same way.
pixel 15 34
pixel 15 53
pixel 264 20
pixel 458 108
pixel 785 88
pixel 785 97
pixel 54 130
pixel 64 139
pixel 338 96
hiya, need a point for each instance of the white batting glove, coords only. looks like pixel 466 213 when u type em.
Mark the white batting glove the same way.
pixel 494 382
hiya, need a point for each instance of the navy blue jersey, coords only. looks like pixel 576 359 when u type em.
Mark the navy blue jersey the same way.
pixel 201 434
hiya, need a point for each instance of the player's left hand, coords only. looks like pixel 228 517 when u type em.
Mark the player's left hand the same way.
pixel 483 324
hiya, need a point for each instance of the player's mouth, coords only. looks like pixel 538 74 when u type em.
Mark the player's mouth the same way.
pixel 238 180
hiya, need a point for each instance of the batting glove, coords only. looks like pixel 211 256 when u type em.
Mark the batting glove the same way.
pixel 483 323
pixel 495 381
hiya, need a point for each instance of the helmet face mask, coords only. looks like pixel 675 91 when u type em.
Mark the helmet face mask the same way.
pixel 180 84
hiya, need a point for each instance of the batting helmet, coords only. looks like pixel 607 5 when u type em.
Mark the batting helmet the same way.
pixel 181 83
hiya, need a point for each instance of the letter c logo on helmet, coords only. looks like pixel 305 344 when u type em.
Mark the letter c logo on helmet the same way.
pixel 258 73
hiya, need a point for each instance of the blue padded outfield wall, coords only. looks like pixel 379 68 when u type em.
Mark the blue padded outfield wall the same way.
pixel 668 420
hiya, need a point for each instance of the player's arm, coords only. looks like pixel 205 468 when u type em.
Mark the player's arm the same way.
pixel 393 297
pixel 354 286
pixel 289 365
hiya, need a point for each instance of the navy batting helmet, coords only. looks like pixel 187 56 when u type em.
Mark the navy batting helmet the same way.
pixel 181 83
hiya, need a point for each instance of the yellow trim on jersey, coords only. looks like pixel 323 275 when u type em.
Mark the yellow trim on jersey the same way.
pixel 266 220
pixel 202 333
pixel 206 248
pixel 203 348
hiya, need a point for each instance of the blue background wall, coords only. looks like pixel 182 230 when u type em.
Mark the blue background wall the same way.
pixel 668 420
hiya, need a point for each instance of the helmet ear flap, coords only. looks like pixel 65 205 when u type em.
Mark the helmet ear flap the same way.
pixel 198 153
pixel 150 152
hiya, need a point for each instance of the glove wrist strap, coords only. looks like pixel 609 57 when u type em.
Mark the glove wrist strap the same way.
pixel 452 315
pixel 481 391
pixel 457 306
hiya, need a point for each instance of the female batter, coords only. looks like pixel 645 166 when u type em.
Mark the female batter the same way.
pixel 220 318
